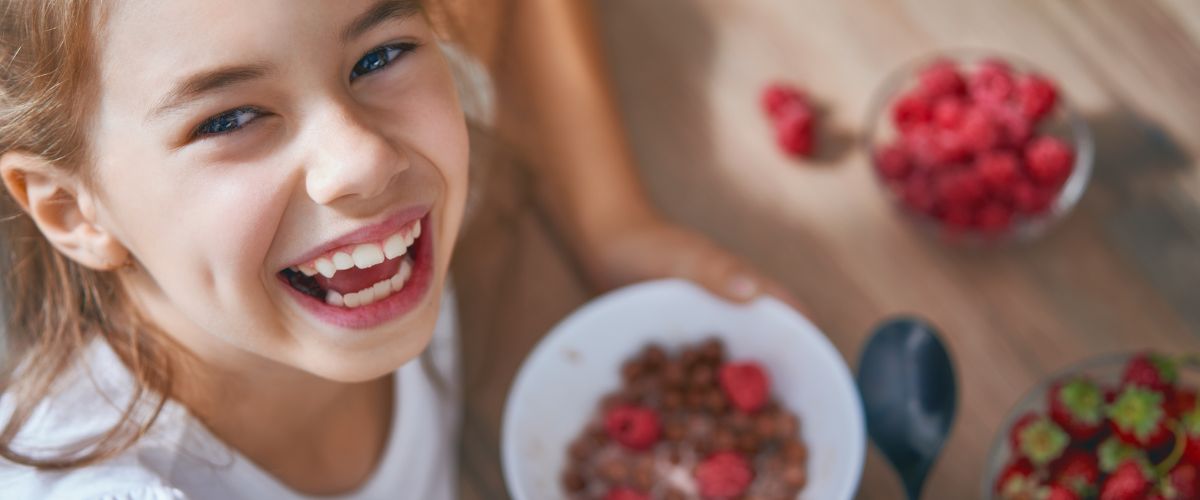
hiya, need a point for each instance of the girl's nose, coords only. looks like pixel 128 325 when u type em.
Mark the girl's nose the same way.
pixel 351 158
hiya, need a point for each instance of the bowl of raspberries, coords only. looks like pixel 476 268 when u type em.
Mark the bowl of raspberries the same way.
pixel 978 148
pixel 663 391
pixel 1120 427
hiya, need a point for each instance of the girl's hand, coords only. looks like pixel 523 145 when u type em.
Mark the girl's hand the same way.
pixel 651 248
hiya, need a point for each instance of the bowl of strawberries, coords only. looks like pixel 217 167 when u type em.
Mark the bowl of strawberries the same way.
pixel 977 147
pixel 1113 428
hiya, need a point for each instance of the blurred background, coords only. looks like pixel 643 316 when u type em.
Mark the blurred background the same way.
pixel 1120 273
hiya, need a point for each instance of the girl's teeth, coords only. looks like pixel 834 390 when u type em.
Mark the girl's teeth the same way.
pixel 394 247
pixel 377 292
pixel 343 261
pixel 325 267
pixel 363 256
pixel 367 255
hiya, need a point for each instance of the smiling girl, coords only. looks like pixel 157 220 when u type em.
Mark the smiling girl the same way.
pixel 240 218
pixel 227 231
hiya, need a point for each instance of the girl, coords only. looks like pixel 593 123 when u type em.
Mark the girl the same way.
pixel 236 220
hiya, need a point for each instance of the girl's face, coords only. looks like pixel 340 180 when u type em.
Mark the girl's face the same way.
pixel 290 177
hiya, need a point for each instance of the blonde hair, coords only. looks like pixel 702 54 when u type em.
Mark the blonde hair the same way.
pixel 53 306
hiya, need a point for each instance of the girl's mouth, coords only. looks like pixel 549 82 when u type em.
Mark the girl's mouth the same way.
pixel 366 284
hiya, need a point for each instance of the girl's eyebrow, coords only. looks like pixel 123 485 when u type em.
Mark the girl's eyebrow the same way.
pixel 381 12
pixel 205 82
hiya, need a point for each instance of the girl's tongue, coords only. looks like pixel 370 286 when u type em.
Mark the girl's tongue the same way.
pixel 355 279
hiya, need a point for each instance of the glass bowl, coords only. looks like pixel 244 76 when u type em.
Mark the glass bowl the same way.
pixel 1063 122
pixel 1104 370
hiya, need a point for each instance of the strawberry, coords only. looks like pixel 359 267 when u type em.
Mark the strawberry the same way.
pixel 1183 401
pixel 1036 96
pixel 634 427
pixel 1139 417
pixel 1190 422
pixel 1182 483
pixel 940 79
pixel 1056 492
pixel 1077 405
pixel 1153 371
pixel 1041 441
pixel 1112 452
pixel 625 494
pixel 723 475
pixel 746 385
pixel 1015 477
pixel 1127 482
pixel 1077 470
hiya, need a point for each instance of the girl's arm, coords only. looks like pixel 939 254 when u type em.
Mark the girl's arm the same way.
pixel 559 111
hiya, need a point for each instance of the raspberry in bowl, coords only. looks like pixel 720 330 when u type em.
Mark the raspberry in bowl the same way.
pixel 976 147
pixel 1114 427
pixel 793 390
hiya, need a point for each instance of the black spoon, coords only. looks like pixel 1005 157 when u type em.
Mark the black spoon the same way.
pixel 909 394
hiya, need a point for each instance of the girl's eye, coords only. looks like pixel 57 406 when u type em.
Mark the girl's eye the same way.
pixel 226 122
pixel 379 58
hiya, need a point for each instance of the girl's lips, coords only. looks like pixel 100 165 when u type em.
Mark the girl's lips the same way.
pixel 372 233
pixel 395 305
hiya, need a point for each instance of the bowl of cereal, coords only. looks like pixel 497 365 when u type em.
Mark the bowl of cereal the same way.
pixel 661 390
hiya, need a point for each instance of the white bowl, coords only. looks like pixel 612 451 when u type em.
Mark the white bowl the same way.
pixel 562 380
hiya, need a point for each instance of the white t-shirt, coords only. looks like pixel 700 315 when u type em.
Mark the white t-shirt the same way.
pixel 180 459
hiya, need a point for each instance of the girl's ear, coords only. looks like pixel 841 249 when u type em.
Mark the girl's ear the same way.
pixel 62 209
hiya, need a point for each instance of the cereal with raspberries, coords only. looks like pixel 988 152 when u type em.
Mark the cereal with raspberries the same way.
pixel 692 426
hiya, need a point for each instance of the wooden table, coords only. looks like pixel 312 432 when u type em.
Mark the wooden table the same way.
pixel 1122 272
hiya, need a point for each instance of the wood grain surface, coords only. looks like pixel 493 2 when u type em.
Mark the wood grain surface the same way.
pixel 1121 272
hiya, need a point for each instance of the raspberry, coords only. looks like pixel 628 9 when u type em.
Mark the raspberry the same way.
pixel 919 195
pixel 910 111
pixel 948 112
pixel 794 130
pixel 746 385
pixel 1049 161
pixel 778 95
pixel 999 169
pixel 1015 128
pixel 957 218
pixel 992 82
pixel 1031 200
pixel 634 427
pixel 931 148
pixel 941 79
pixel 1036 97
pixel 625 494
pixel 723 475
pixel 994 218
pixel 978 131
pixel 960 189
pixel 892 162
